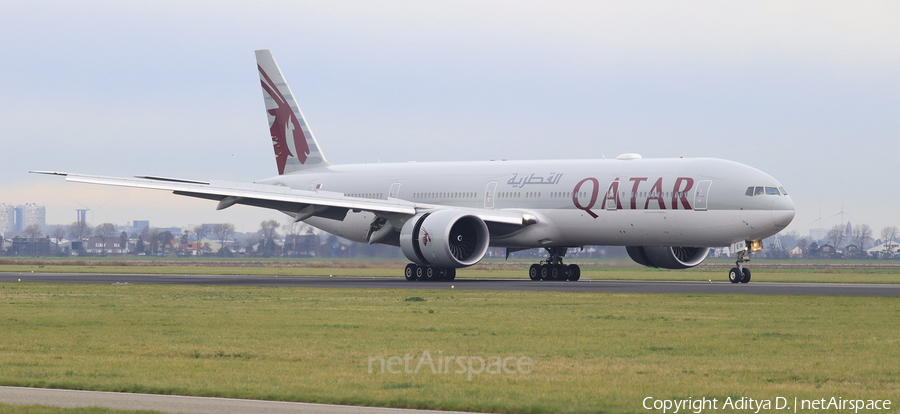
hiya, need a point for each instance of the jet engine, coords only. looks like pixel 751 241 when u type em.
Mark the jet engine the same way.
pixel 668 257
pixel 444 238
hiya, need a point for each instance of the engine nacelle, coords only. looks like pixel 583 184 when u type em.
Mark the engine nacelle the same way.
pixel 668 257
pixel 444 238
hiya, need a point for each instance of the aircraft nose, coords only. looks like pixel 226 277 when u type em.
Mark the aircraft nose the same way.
pixel 782 212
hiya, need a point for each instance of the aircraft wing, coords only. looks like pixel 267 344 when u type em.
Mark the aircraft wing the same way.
pixel 302 204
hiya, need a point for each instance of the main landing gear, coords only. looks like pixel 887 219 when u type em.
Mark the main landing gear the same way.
pixel 428 273
pixel 553 268
pixel 739 274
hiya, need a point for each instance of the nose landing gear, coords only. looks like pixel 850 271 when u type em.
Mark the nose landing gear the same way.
pixel 740 274
pixel 553 268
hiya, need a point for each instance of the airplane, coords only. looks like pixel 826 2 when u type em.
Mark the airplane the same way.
pixel 443 216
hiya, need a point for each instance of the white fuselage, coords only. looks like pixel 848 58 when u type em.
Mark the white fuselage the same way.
pixel 633 202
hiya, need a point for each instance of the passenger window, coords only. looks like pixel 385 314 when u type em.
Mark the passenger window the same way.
pixel 750 191
pixel 782 191
pixel 759 191
pixel 772 191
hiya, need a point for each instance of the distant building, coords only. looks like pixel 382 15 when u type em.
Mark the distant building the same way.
pixel 214 245
pixel 113 245
pixel 22 246
pixel 138 226
pixel 176 231
pixel 19 220
pixel 303 245
pixel 18 217
pixel 33 214
pixel 891 247
pixel 720 252
pixel 190 248
pixel 7 219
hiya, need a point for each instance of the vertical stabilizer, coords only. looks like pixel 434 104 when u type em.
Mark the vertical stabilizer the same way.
pixel 295 146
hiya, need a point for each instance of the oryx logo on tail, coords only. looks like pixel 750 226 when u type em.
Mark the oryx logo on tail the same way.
pixel 287 136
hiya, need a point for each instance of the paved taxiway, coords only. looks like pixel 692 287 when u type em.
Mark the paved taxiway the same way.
pixel 181 404
pixel 753 288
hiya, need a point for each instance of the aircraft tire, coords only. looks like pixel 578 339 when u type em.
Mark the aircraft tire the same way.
pixel 450 274
pixel 430 274
pixel 555 272
pixel 574 272
pixel 746 276
pixel 733 275
pixel 420 272
pixel 545 272
pixel 410 272
pixel 562 272
pixel 534 272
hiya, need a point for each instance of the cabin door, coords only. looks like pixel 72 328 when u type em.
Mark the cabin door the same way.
pixel 489 193
pixel 701 196
pixel 395 191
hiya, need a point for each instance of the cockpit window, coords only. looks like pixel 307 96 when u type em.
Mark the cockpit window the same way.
pixel 758 191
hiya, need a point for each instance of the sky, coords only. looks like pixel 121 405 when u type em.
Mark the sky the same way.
pixel 808 92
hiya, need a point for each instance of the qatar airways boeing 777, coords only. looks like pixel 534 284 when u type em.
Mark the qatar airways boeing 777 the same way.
pixel 444 215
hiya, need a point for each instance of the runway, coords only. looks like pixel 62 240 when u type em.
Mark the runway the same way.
pixel 181 404
pixel 620 286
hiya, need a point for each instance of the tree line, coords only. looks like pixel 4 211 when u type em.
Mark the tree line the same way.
pixel 265 242
pixel 838 244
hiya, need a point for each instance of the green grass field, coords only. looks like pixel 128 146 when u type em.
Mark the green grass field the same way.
pixel 40 409
pixel 592 352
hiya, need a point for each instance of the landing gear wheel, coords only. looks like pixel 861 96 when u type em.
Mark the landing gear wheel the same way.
pixel 429 274
pixel 553 268
pixel 450 274
pixel 420 272
pixel 534 272
pixel 410 272
pixel 746 275
pixel 734 275
pixel 574 272
pixel 740 274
